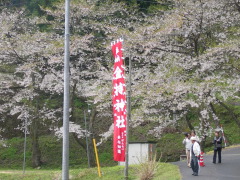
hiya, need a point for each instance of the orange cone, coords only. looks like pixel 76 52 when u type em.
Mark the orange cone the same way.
pixel 201 163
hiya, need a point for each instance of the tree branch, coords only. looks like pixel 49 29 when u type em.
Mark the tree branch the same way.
pixel 232 114
pixel 167 50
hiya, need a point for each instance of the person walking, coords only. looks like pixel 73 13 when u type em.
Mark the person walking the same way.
pixel 217 141
pixel 187 142
pixel 195 152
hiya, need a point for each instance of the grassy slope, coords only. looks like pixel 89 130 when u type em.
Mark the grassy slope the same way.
pixel 164 171
pixel 11 153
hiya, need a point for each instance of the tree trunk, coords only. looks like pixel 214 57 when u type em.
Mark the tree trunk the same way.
pixel 91 154
pixel 188 122
pixel 237 5
pixel 232 114
pixel 34 127
pixel 214 111
pixel 36 153
pixel 202 143
pixel 92 136
pixel 82 142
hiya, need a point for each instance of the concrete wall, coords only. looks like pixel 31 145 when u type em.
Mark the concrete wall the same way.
pixel 139 152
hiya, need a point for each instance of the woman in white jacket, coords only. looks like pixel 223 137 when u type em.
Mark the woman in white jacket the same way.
pixel 194 153
pixel 188 144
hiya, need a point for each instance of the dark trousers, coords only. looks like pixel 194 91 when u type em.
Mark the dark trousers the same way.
pixel 219 152
pixel 194 164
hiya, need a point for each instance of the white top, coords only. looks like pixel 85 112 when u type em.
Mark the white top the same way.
pixel 198 140
pixel 196 149
pixel 188 144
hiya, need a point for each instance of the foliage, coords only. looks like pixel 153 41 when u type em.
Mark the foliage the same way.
pixel 11 153
pixel 148 6
pixel 166 150
pixel 33 6
pixel 232 134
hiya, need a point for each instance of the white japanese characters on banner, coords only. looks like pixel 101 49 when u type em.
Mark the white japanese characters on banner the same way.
pixel 119 103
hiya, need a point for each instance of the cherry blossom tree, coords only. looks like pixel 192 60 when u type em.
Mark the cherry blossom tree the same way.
pixel 185 61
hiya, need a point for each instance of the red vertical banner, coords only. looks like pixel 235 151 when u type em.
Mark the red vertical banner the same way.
pixel 119 103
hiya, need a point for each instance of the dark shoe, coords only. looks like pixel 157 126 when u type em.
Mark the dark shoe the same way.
pixel 214 162
pixel 195 174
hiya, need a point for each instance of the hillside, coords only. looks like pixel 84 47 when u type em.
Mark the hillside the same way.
pixel 185 75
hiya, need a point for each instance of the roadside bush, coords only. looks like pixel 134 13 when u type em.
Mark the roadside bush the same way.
pixel 147 170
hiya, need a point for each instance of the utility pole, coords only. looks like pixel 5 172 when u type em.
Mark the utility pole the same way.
pixel 65 152
pixel 128 118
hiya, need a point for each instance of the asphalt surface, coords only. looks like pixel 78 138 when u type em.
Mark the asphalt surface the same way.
pixel 229 169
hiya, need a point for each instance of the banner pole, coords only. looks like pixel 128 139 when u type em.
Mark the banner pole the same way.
pixel 128 119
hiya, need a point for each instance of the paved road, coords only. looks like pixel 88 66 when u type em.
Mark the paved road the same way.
pixel 229 169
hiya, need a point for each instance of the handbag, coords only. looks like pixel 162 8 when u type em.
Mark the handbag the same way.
pixel 218 145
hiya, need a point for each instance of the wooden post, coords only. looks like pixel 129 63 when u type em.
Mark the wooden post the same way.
pixel 96 154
